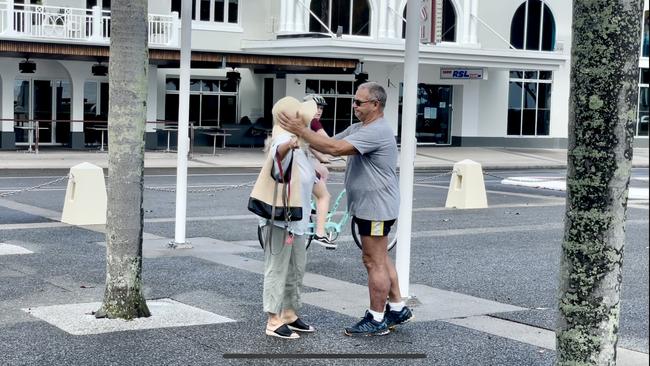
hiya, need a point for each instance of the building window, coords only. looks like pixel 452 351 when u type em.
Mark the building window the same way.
pixel 337 114
pixel 533 27
pixel 642 120
pixel 448 22
pixel 216 11
pixel 529 103
pixel 353 16
pixel 212 102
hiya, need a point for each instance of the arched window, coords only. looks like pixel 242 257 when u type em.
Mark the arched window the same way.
pixel 353 16
pixel 448 22
pixel 533 27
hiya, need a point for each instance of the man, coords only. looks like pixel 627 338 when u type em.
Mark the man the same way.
pixel 373 199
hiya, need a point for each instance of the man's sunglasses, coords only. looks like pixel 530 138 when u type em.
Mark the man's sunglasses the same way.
pixel 358 102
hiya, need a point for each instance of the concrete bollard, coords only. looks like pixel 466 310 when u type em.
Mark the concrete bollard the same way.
pixel 85 197
pixel 467 188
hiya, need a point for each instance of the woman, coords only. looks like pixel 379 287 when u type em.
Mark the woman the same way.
pixel 285 255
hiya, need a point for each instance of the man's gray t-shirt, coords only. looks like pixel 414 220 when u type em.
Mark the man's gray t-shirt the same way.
pixel 371 176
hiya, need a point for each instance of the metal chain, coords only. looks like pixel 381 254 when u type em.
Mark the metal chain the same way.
pixel 428 179
pixel 204 190
pixel 11 193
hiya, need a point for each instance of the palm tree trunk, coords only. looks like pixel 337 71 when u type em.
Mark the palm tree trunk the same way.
pixel 604 92
pixel 128 64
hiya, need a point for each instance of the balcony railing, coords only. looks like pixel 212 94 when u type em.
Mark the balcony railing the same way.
pixel 75 24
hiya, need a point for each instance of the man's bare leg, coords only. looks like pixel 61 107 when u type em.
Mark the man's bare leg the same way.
pixel 375 258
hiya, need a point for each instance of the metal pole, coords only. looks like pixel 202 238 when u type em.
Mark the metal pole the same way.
pixel 407 156
pixel 183 121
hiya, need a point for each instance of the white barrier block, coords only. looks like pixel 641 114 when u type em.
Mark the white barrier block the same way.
pixel 85 198
pixel 467 188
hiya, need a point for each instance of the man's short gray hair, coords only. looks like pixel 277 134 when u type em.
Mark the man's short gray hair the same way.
pixel 376 91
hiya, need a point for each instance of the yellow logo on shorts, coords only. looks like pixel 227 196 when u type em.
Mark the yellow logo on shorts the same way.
pixel 376 228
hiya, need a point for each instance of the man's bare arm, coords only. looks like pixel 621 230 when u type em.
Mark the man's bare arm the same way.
pixel 324 144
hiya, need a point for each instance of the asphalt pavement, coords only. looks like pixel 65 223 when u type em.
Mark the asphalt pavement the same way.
pixel 483 282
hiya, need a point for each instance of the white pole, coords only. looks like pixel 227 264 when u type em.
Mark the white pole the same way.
pixel 183 122
pixel 407 156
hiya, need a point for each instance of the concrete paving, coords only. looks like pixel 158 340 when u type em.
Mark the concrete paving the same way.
pixel 483 282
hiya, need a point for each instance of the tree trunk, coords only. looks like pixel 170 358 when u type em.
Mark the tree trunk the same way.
pixel 128 64
pixel 604 91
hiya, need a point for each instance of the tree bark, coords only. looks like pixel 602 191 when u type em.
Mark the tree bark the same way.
pixel 128 65
pixel 602 113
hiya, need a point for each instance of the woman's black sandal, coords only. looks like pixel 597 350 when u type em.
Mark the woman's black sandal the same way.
pixel 299 326
pixel 282 331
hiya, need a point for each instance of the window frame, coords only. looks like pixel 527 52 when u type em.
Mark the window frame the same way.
pixel 540 41
pixel 523 80
pixel 336 96
pixel 351 18
pixel 219 94
pixel 642 86
pixel 226 25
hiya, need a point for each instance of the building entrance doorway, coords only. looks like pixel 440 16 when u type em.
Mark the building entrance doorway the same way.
pixel 434 114
pixel 46 102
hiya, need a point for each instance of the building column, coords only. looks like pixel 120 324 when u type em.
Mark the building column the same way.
pixel 291 11
pixel 283 16
pixel 300 18
pixel 382 25
pixel 9 69
pixel 391 31
pixel 77 138
pixel 151 134
pixel 466 20
pixel 473 22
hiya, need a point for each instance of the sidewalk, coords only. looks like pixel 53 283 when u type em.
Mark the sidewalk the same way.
pixel 426 158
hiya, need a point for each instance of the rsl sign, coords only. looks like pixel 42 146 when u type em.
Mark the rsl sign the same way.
pixel 463 74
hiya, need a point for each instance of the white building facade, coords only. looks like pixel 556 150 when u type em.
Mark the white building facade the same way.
pixel 497 75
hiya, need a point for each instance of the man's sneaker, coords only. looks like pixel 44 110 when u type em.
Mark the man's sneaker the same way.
pixel 394 318
pixel 368 326
pixel 324 241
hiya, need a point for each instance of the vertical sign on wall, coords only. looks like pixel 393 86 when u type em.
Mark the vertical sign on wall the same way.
pixel 431 16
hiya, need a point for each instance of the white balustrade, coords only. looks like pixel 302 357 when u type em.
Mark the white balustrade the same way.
pixel 76 24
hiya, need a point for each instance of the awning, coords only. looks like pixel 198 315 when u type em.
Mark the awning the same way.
pixel 171 58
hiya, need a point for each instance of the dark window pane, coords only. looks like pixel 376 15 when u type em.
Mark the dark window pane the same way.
pixel 177 6
pixel 448 22
pixel 210 110
pixel 530 95
pixel 194 9
pixel 344 87
pixel 543 122
pixel 548 35
pixel 360 18
pixel 403 22
pixel 544 96
pixel 343 113
pixel 172 84
pixel 514 95
pixel 228 86
pixel 321 9
pixel 195 84
pixel 195 109
pixel 103 100
pixel 311 86
pixel 532 34
pixel 545 75
pixel 642 128
pixel 341 16
pixel 233 11
pixel 645 76
pixel 205 10
pixel 514 122
pixel 211 85
pixel 327 118
pixel 530 75
pixel 517 27
pixel 219 10
pixel 328 87
pixel 90 100
pixel 171 107
pixel 528 122
pixel 228 109
pixel 517 74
